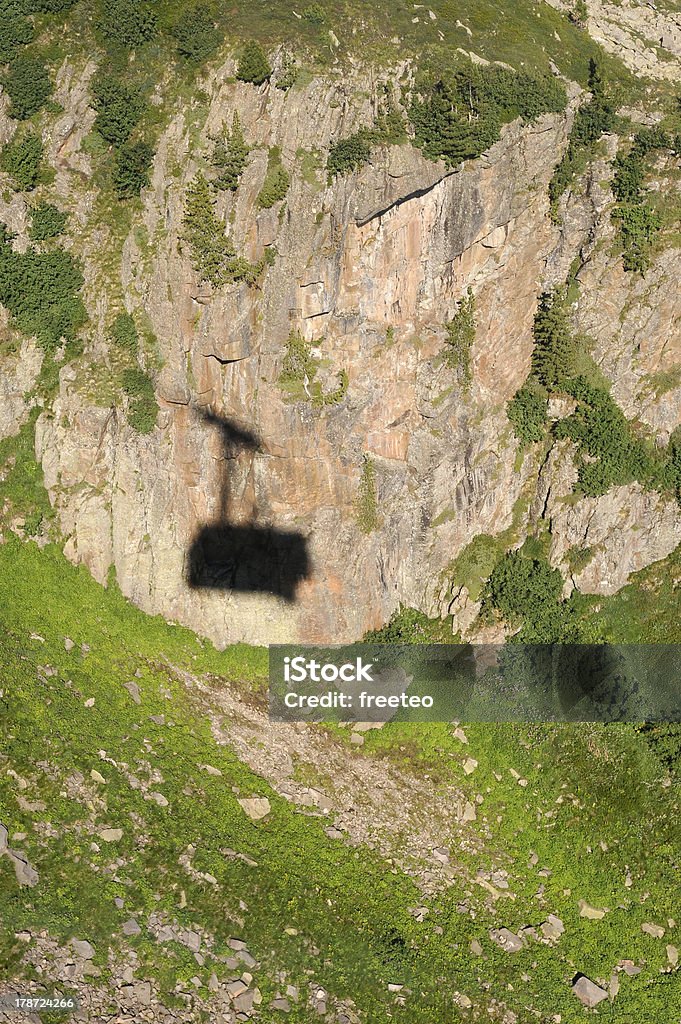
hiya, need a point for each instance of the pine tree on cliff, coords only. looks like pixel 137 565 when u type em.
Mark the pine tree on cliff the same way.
pixel 253 64
pixel 230 156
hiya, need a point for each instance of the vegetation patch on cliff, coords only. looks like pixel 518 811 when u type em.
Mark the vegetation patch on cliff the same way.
pixel 299 371
pixel 459 341
pixel 213 256
pixel 610 450
pixel 459 115
pixel 351 153
pixel 593 119
pixel 41 291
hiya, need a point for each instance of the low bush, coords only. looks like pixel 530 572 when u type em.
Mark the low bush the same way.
pixel 638 223
pixel 525 591
pixel 15 31
pixel 314 15
pixel 349 154
pixel 253 65
pixel 124 334
pixel 27 84
pixel 614 454
pixel 410 626
pixel 46 222
pixel 40 290
pixel 527 412
pixel 22 159
pixel 119 108
pixel 129 23
pixel 142 407
pixel 353 152
pixel 638 226
pixel 132 164
pixel 196 35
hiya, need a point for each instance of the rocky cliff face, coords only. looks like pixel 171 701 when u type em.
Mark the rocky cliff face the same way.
pixel 368 269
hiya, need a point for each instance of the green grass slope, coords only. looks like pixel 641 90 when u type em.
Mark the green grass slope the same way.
pixel 596 809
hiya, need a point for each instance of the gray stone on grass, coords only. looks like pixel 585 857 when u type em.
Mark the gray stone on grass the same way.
pixel 508 940
pixel 83 949
pixel 591 913
pixel 588 992
pixel 256 807
pixel 552 927
pixel 111 835
pixel 469 812
pixel 134 691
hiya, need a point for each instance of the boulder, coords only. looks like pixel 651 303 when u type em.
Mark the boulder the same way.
pixel 588 993
pixel 255 807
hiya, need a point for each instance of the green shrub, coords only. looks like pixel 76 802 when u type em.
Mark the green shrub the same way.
pixel 638 225
pixel 132 164
pixel 299 371
pixel 337 394
pixel 460 337
pixel 578 558
pixel 15 31
pixel 349 154
pixel 230 155
pixel 124 333
pixel 196 34
pixel 50 6
pixel 118 107
pixel 521 587
pixel 314 15
pixel 22 158
pixel 142 408
pixel 253 64
pixel 366 506
pixel 41 292
pixel 46 222
pixel 526 591
pixel 288 74
pixel 276 183
pixel 130 23
pixel 27 84
pixel 212 253
pixel 527 412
